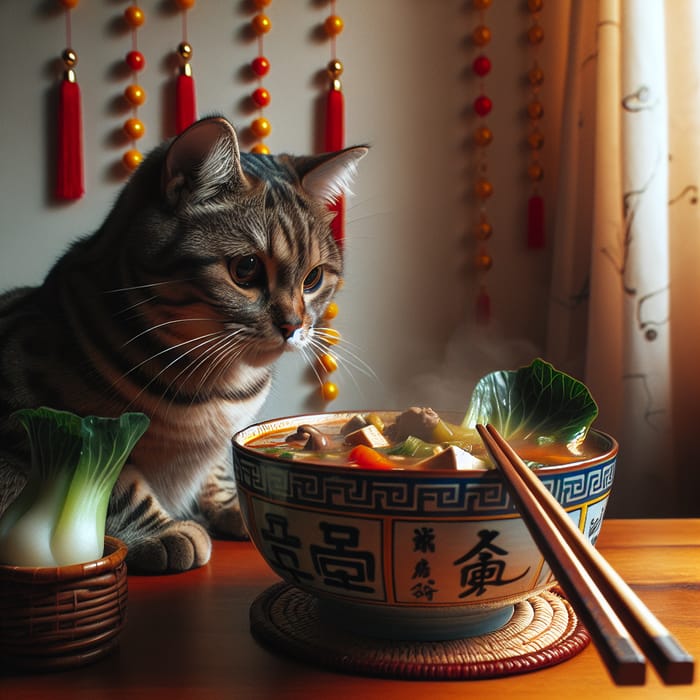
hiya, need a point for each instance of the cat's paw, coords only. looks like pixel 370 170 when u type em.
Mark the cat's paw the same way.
pixel 227 522
pixel 181 546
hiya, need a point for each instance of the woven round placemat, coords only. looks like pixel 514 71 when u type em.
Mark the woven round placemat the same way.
pixel 543 631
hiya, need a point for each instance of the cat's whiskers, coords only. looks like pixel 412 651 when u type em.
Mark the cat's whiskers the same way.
pixel 324 341
pixel 170 322
pixel 227 346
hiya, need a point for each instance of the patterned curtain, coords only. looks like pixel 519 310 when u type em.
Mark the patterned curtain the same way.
pixel 625 305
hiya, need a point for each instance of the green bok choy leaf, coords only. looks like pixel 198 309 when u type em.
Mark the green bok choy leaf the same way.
pixel 537 403
pixel 59 517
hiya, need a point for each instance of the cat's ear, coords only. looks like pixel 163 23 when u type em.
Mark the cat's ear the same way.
pixel 329 175
pixel 202 161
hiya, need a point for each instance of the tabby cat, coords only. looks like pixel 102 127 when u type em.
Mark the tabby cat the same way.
pixel 210 265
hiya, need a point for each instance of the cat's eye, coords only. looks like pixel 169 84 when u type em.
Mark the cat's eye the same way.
pixel 247 270
pixel 313 280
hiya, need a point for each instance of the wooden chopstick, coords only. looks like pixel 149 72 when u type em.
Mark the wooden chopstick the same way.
pixel 607 606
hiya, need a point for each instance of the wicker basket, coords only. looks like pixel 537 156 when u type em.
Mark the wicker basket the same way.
pixel 61 617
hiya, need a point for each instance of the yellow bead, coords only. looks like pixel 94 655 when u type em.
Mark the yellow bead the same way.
pixel 329 391
pixel 535 172
pixel 185 4
pixel 261 24
pixel 135 95
pixel 331 336
pixel 328 362
pixel 483 261
pixel 134 128
pixel 331 311
pixel 535 110
pixel 184 50
pixel 333 25
pixel 134 16
pixel 335 69
pixel 261 127
pixel 484 230
pixel 132 159
pixel 70 58
pixel 481 35
pixel 483 188
pixel 483 136
pixel 535 35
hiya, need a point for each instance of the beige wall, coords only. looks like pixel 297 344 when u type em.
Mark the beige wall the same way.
pixel 407 304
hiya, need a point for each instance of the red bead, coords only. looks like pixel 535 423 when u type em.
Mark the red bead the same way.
pixel 261 97
pixel 482 105
pixel 260 66
pixel 135 60
pixel 481 65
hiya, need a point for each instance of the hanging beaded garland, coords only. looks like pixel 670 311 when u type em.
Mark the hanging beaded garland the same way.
pixel 483 136
pixel 185 100
pixel 133 127
pixel 334 140
pixel 260 127
pixel 69 150
pixel 535 138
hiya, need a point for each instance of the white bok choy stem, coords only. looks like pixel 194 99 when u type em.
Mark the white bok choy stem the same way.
pixel 59 517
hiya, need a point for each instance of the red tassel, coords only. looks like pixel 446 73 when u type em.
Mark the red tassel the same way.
pixel 483 307
pixel 334 141
pixel 185 109
pixel 69 161
pixel 535 222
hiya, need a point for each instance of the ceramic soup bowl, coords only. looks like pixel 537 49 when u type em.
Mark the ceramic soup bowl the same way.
pixel 406 554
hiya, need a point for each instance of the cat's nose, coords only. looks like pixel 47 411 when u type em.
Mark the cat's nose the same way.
pixel 289 329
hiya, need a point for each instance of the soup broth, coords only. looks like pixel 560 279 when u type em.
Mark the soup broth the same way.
pixel 340 445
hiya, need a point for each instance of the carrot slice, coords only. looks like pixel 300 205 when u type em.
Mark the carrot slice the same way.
pixel 367 458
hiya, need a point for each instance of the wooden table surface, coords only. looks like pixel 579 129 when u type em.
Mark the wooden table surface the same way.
pixel 188 636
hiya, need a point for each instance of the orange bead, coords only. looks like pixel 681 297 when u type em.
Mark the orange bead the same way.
pixel 535 140
pixel 535 172
pixel 261 4
pixel 261 24
pixel 535 35
pixel 331 336
pixel 134 16
pixel 134 128
pixel 261 127
pixel 535 110
pixel 483 136
pixel 534 5
pixel 185 4
pixel 333 25
pixel 328 362
pixel 69 4
pixel 536 76
pixel 260 148
pixel 481 4
pixel 331 311
pixel 484 230
pixel 329 391
pixel 135 95
pixel 483 261
pixel 481 35
pixel 132 159
pixel 483 188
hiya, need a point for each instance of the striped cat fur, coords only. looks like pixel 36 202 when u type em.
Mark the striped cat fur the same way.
pixel 211 264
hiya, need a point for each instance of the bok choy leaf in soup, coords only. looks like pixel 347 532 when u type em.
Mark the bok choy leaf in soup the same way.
pixel 536 403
